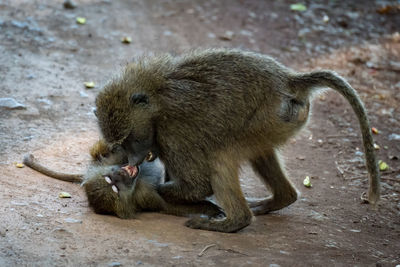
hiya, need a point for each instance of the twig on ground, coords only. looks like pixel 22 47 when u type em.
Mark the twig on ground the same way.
pixel 233 251
pixel 339 169
pixel 205 248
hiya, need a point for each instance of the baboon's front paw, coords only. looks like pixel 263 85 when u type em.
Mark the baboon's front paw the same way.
pixel 219 225
pixel 255 202
pixel 198 223
pixel 264 206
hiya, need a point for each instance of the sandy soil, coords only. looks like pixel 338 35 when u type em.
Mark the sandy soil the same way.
pixel 45 57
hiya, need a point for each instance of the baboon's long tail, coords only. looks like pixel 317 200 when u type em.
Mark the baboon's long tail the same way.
pixel 30 161
pixel 314 80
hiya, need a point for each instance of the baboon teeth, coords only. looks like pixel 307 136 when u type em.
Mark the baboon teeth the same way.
pixel 115 189
pixel 131 170
pixel 150 157
pixel 108 179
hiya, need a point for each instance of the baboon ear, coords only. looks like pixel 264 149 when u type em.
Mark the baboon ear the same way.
pixel 139 98
pixel 95 111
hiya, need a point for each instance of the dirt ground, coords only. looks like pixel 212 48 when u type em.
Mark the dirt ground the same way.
pixel 45 57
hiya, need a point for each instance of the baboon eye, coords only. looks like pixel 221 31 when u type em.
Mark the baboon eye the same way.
pixel 114 148
pixel 139 98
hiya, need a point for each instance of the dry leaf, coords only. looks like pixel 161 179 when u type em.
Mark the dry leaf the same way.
pixel 383 166
pixel 126 40
pixel 64 195
pixel 89 84
pixel 307 182
pixel 80 20
pixel 298 7
pixel 388 9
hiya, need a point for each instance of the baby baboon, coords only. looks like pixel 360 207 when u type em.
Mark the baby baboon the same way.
pixel 210 110
pixel 123 192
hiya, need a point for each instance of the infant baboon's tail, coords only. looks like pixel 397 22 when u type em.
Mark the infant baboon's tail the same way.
pixel 30 161
pixel 318 79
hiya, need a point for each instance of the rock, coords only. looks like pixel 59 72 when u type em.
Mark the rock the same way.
pixel 167 33
pixel 115 264
pixel 227 36
pixel 3 232
pixel 394 136
pixel 359 153
pixel 303 32
pixel 10 103
pixel 211 35
pixel 316 216
pixel 68 4
pixel 83 94
pixel 72 220
pixel 45 101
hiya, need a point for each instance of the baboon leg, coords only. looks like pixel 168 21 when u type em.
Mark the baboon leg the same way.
pixel 269 169
pixel 227 191
pixel 181 191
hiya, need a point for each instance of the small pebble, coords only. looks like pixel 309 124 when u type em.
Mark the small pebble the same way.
pixel 72 220
pixel 83 94
pixel 228 36
pixel 68 4
pixel 10 103
pixel 114 264
pixel 394 136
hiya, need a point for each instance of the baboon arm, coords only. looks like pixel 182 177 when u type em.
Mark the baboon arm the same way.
pixel 203 207
pixel 226 187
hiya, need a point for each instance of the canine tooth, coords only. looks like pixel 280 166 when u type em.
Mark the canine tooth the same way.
pixel 108 179
pixel 115 189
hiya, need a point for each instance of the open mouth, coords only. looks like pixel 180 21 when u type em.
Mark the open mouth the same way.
pixel 132 171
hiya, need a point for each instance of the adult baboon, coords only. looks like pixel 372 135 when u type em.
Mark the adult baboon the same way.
pixel 208 111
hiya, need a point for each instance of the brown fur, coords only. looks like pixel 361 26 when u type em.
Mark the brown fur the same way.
pixel 210 110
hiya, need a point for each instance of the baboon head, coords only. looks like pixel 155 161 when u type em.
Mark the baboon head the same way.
pixel 100 196
pixel 104 200
pixel 126 110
